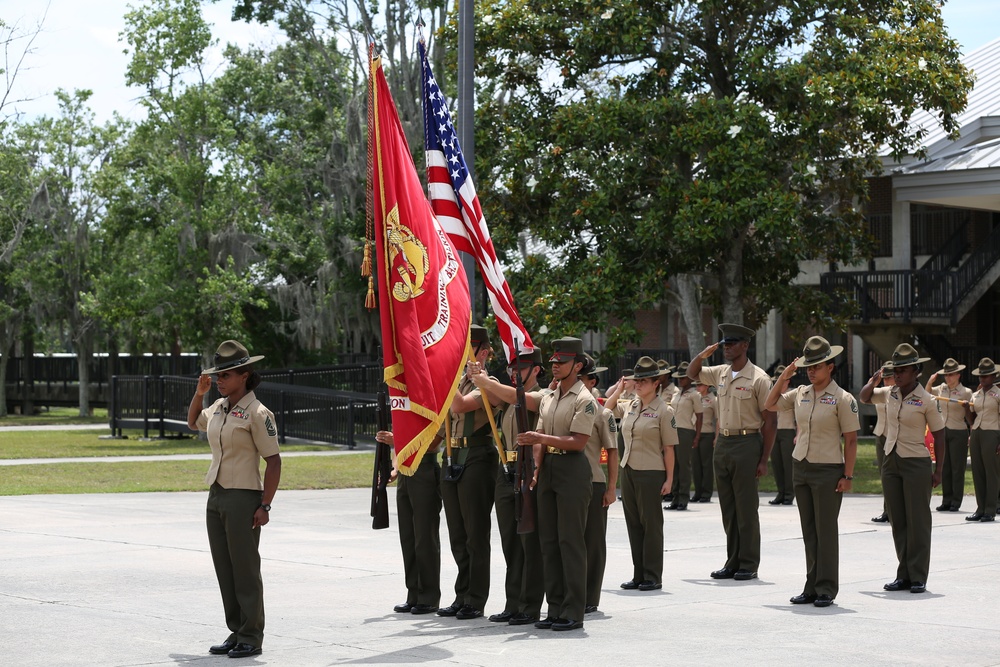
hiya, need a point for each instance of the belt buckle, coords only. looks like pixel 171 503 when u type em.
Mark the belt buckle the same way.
pixel 457 443
pixel 511 455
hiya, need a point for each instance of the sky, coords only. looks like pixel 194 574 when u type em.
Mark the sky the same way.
pixel 79 48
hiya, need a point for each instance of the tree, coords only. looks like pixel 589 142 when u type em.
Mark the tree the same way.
pixel 69 150
pixel 726 141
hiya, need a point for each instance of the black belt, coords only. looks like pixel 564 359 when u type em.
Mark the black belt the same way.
pixel 471 441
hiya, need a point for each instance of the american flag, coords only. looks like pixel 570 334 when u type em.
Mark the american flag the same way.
pixel 456 205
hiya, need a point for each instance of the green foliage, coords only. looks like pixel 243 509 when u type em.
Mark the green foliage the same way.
pixel 648 139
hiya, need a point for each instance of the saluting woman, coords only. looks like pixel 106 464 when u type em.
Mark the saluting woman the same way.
pixel 240 431
pixel 647 473
pixel 822 470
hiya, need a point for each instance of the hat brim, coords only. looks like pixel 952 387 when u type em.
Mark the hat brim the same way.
pixel 647 374
pixel 834 351
pixel 597 370
pixel 914 362
pixel 226 367
pixel 961 367
pixel 977 372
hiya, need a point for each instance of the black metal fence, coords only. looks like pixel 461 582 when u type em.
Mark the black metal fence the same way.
pixel 159 404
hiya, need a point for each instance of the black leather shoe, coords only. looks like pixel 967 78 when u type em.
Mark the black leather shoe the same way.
pixel 671 506
pixel 423 609
pixel 724 573
pixel 788 501
pixel 590 609
pixel 404 608
pixel 823 601
pixel 522 619
pixel 943 508
pixel 567 624
pixel 897 585
pixel 918 587
pixel 450 610
pixel 630 585
pixel 706 499
pixel 502 617
pixel 668 498
pixel 777 501
pixel 954 508
pixel 976 516
pixel 468 612
pixel 987 518
pixel 649 586
pixel 245 651
pixel 546 623
pixel 681 508
pixel 223 648
pixel 744 575
pixel 803 598
pixel 695 499
pixel 881 518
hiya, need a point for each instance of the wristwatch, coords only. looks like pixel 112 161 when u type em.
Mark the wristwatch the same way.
pixel 847 477
pixel 266 508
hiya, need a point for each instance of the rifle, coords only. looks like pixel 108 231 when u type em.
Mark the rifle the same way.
pixel 383 464
pixel 524 499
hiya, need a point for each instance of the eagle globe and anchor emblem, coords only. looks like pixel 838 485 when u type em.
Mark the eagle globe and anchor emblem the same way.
pixel 414 262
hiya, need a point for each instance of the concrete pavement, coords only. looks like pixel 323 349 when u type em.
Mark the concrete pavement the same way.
pixel 127 580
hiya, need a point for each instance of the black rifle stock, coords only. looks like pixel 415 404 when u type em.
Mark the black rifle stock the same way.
pixel 524 498
pixel 383 465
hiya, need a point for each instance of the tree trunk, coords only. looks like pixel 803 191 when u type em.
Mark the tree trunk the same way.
pixel 731 283
pixel 689 293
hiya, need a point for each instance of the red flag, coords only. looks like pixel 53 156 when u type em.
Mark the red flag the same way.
pixel 456 204
pixel 423 293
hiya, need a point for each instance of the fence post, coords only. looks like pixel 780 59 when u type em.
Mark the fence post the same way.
pixel 145 406
pixel 162 403
pixel 284 417
pixel 350 424
pixel 113 407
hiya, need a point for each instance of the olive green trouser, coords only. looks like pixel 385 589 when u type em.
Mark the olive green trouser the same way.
pixel 819 510
pixel 683 452
pixel 701 465
pixel 641 504
pixel 234 545
pixel 781 462
pixel 596 539
pixel 956 452
pixel 906 484
pixel 985 469
pixel 523 584
pixel 736 459
pixel 563 494
pixel 418 507
pixel 468 504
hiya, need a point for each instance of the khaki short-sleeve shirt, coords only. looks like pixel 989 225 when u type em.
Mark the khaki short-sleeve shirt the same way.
pixel 907 419
pixel 986 405
pixel 954 413
pixel 508 423
pixel 687 406
pixel 822 420
pixel 879 418
pixel 646 432
pixel 474 422
pixel 741 398
pixel 708 407
pixel 569 413
pixel 604 436
pixel 239 436
pixel 786 419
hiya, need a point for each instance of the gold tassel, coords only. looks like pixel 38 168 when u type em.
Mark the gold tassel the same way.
pixel 370 299
pixel 366 263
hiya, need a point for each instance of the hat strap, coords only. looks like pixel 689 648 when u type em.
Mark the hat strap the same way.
pixel 231 364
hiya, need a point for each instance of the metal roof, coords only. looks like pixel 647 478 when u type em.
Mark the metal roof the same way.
pixel 977 156
pixel 984 101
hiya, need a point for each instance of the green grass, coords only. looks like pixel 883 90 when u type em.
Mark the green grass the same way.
pixel 64 444
pixel 52 416
pixel 301 472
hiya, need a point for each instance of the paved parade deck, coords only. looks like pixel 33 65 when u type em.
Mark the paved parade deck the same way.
pixel 126 579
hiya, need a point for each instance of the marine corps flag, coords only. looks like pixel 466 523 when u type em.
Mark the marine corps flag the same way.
pixel 422 290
